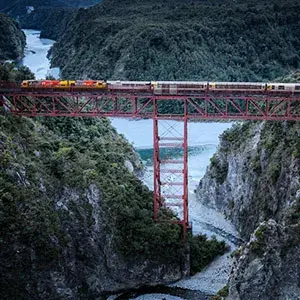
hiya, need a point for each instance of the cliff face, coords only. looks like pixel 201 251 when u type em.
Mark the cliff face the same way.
pixel 12 39
pixel 75 223
pixel 254 178
pixel 254 175
pixel 268 267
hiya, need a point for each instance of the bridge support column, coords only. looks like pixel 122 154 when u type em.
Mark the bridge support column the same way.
pixel 185 173
pixel 156 164
pixel 170 166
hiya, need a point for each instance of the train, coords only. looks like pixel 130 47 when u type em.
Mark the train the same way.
pixel 161 87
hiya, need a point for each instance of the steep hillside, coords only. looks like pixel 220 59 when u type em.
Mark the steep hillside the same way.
pixel 194 40
pixel 254 176
pixel 12 39
pixel 51 21
pixel 254 179
pixel 74 221
pixel 32 14
pixel 18 6
pixel 10 72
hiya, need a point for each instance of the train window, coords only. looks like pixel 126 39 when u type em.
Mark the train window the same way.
pixel 297 87
pixel 273 87
pixel 281 87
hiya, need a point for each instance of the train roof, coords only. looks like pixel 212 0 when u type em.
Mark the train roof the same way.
pixel 282 83
pixel 179 82
pixel 127 82
pixel 237 83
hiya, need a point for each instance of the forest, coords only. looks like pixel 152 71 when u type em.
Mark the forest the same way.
pixel 171 40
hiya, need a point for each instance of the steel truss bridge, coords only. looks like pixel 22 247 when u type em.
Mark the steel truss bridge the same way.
pixel 170 175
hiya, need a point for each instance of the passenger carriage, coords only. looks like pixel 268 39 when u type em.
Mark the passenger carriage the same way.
pixel 177 87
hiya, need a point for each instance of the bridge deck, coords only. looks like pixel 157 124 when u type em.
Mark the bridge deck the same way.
pixel 212 105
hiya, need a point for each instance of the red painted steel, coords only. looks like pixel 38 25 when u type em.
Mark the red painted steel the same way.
pixel 257 106
pixel 156 165
pixel 173 172
pixel 229 105
pixel 185 172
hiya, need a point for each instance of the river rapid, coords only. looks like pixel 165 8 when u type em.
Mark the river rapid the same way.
pixel 36 55
pixel 203 139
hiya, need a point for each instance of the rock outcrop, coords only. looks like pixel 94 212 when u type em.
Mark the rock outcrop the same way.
pixel 268 266
pixel 12 39
pixel 254 179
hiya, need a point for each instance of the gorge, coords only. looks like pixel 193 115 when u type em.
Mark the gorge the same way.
pixel 253 179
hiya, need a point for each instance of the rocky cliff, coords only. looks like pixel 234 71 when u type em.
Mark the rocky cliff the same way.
pixel 254 179
pixel 254 175
pixel 75 222
pixel 268 267
pixel 12 39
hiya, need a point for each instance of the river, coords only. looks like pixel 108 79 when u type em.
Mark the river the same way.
pixel 203 138
pixel 36 55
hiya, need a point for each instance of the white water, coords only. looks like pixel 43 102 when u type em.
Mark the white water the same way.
pixel 36 55
pixel 204 135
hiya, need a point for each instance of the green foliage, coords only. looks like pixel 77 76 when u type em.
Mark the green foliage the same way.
pixel 293 213
pixel 292 77
pixel 255 164
pixel 12 39
pixel 274 171
pixel 11 72
pixel 203 251
pixel 259 243
pixel 26 215
pixel 218 168
pixel 223 292
pixel 235 137
pixel 198 40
